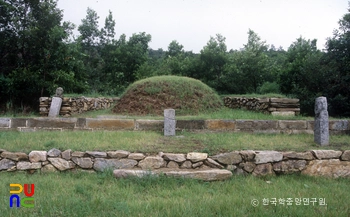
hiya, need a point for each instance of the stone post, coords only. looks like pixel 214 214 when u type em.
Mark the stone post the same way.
pixel 55 107
pixel 169 122
pixel 56 103
pixel 321 126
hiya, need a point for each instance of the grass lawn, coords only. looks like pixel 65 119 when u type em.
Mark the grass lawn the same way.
pixel 153 142
pixel 81 194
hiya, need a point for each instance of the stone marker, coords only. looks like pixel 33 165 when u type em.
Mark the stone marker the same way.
pixel 169 122
pixel 59 92
pixel 55 107
pixel 321 126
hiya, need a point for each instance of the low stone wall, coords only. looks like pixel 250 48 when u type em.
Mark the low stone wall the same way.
pixel 328 163
pixel 91 124
pixel 274 106
pixel 76 105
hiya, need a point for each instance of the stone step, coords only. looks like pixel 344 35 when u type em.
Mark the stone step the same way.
pixel 205 175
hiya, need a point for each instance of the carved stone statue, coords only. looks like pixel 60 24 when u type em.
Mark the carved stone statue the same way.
pixel 59 92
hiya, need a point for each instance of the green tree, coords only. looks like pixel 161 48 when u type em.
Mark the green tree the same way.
pixel 213 58
pixel 303 75
pixel 338 71
pixel 33 51
pixel 252 62
pixel 90 53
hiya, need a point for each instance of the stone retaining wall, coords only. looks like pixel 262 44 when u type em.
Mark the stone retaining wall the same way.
pixel 254 126
pixel 328 163
pixel 76 105
pixel 274 106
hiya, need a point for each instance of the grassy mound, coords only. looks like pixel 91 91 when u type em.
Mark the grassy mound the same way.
pixel 153 95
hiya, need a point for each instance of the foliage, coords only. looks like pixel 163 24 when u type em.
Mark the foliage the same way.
pixel 34 58
pixel 338 71
pixel 269 87
pixel 39 53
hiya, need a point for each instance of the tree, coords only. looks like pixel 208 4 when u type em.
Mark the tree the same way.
pixel 90 53
pixel 252 62
pixel 338 60
pixel 174 49
pixel 108 32
pixel 303 75
pixel 32 51
pixel 213 58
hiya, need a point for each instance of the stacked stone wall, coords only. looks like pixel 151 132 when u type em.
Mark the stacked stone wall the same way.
pixel 76 105
pixel 274 106
pixel 221 166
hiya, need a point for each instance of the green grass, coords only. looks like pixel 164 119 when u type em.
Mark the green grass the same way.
pixel 153 142
pixel 81 194
pixel 153 95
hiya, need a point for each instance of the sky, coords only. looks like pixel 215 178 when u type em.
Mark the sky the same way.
pixel 193 22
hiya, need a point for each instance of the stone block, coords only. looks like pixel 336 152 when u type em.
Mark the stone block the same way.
pixel 66 123
pixel 97 154
pixel 136 156
pixel 196 157
pixel 81 123
pixel 152 162
pixel 220 125
pixel 85 163
pixel 151 125
pixel 212 163
pixel 290 166
pixel 284 100
pixel 268 157
pixel 326 154
pixel 329 168
pixel 5 122
pixel 102 164
pixel 60 164
pixel 252 125
pixel 18 122
pixel 37 156
pixel 6 164
pixel 174 157
pixel 346 155
pixel 190 124
pixel 228 158
pixel 67 154
pixel 16 156
pixel 283 113
pixel 55 107
pixel 205 175
pixel 24 165
pixel 263 170
pixel 298 155
pixel 118 154
pixel 341 125
pixel 292 125
pixel 110 124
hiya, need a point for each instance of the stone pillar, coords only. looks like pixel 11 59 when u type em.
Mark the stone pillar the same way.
pixel 55 107
pixel 169 122
pixel 321 126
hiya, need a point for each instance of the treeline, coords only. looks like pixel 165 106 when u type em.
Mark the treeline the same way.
pixel 39 53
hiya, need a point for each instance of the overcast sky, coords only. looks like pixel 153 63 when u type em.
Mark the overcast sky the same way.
pixel 192 22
